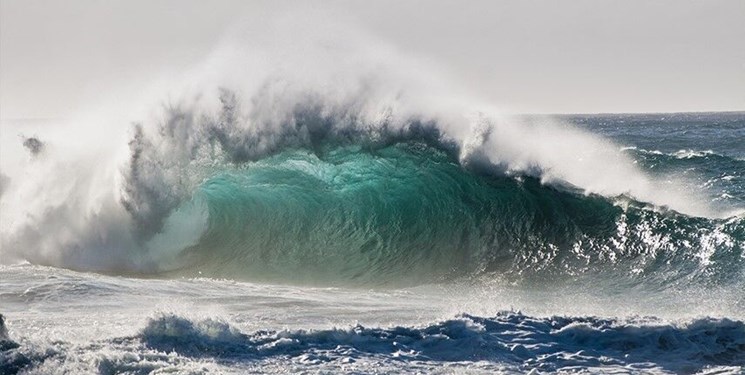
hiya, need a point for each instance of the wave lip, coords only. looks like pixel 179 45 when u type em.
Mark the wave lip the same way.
pixel 522 342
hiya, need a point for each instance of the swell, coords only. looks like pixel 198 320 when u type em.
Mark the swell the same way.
pixel 718 172
pixel 686 157
pixel 409 212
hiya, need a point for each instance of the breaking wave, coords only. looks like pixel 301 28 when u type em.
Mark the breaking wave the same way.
pixel 370 172
pixel 509 342
pixel 325 194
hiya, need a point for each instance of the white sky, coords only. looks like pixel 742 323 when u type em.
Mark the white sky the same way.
pixel 527 56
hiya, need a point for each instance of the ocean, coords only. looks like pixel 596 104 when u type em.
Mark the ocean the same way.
pixel 329 238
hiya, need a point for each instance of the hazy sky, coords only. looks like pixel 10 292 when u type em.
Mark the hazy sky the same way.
pixel 527 56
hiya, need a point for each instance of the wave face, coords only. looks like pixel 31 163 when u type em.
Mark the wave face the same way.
pixel 410 212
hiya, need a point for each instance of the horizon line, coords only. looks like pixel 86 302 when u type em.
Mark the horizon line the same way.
pixel 734 111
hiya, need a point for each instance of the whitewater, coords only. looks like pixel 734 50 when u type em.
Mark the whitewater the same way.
pixel 333 205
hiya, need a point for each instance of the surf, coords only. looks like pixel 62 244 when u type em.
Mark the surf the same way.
pixel 388 171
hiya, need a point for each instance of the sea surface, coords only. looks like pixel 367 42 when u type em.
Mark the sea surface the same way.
pixel 212 242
